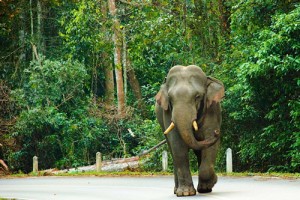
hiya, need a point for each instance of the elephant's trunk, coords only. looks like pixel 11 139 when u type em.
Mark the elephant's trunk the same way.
pixel 185 125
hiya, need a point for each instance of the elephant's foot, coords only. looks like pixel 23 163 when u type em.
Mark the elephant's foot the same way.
pixel 185 191
pixel 206 185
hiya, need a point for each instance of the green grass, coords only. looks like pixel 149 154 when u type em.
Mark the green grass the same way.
pixel 124 173
pixel 89 173
pixel 130 173
pixel 271 174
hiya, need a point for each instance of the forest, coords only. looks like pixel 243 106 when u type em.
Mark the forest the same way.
pixel 80 76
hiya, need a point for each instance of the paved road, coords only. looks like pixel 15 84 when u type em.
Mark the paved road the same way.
pixel 144 188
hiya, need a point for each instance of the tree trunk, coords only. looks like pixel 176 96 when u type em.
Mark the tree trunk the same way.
pixel 31 28
pixel 135 86
pixel 224 19
pixel 117 39
pixel 124 61
pixel 22 55
pixel 109 83
pixel 108 69
pixel 94 83
pixel 129 72
pixel 40 46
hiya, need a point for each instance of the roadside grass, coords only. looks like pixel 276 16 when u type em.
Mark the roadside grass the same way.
pixel 145 173
pixel 266 175
pixel 121 173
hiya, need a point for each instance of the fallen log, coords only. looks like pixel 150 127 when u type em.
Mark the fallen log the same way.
pixel 3 167
pixel 117 164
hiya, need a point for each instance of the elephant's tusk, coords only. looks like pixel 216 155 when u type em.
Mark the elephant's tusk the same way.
pixel 172 125
pixel 195 125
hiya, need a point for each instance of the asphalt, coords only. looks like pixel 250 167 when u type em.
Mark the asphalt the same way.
pixel 144 188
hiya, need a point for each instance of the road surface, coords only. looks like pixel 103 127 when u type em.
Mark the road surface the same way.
pixel 144 188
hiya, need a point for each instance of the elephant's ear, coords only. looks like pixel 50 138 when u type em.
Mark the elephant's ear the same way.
pixel 215 91
pixel 162 97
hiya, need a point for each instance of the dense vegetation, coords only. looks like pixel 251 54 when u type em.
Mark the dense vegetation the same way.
pixel 77 77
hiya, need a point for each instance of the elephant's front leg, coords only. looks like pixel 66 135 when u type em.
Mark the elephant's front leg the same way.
pixel 207 175
pixel 207 157
pixel 184 184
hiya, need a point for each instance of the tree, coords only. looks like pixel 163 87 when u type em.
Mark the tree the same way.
pixel 109 72
pixel 117 38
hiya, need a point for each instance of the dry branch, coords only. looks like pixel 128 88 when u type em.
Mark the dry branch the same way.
pixel 153 148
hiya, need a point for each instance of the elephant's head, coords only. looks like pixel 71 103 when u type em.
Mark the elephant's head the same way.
pixel 187 94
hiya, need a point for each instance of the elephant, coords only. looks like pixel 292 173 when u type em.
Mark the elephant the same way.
pixel 189 112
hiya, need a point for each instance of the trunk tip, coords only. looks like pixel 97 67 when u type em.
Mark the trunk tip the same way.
pixel 217 132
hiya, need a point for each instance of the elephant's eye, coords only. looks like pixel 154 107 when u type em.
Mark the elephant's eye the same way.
pixel 198 98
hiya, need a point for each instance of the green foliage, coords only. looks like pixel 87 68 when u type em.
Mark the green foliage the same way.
pixel 54 123
pixel 150 135
pixel 265 98
pixel 159 39
pixel 86 37
pixel 82 31
pixel 59 84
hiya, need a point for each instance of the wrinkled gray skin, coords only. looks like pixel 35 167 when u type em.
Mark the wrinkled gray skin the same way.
pixel 188 95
